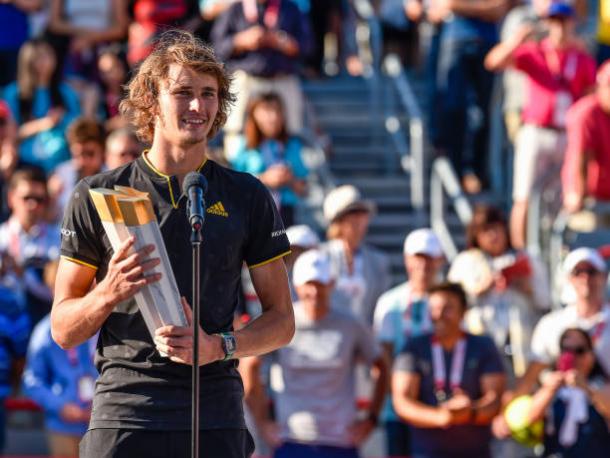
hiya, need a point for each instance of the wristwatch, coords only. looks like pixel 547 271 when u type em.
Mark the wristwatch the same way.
pixel 229 345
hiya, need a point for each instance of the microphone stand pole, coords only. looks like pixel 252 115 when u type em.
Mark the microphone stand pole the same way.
pixel 196 240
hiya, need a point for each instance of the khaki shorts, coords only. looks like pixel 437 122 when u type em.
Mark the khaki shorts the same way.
pixel 537 151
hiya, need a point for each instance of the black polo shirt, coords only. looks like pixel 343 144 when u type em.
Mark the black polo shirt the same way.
pixel 137 388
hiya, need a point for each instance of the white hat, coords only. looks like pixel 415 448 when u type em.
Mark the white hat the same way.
pixel 423 241
pixel 303 236
pixel 313 265
pixel 584 254
pixel 344 199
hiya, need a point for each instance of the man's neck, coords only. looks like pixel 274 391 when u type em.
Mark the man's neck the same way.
pixel 448 341
pixel 25 226
pixel 588 308
pixel 175 160
pixel 418 289
pixel 316 312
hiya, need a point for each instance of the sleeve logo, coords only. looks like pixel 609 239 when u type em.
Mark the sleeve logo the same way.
pixel 67 232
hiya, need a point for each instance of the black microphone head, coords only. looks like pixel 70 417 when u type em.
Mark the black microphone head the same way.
pixel 195 179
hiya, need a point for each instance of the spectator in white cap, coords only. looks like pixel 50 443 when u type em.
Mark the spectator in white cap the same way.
pixel 362 273
pixel 301 238
pixel 587 273
pixel 401 313
pixel 315 399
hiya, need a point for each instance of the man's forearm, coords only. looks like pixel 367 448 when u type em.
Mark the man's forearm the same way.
pixel 488 10
pixel 73 321
pixel 420 415
pixel 380 376
pixel 486 408
pixel 272 330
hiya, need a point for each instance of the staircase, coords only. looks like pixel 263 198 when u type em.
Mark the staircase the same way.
pixel 366 159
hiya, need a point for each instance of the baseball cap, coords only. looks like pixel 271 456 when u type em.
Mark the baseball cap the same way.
pixel 313 265
pixel 423 241
pixel 603 74
pixel 560 9
pixel 303 236
pixel 4 110
pixel 345 199
pixel 584 254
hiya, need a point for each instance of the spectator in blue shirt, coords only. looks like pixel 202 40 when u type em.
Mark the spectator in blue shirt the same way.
pixel 62 382
pixel 14 334
pixel 267 151
pixel 42 106
pixel 447 384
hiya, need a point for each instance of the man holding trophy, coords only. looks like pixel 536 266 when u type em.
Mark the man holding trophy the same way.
pixel 177 100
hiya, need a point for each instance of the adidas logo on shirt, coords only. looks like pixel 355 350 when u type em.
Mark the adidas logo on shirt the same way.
pixel 218 209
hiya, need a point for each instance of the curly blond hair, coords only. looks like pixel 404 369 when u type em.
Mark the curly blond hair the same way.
pixel 173 47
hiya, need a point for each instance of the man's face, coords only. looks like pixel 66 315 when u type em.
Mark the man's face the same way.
pixel 187 108
pixel 120 151
pixel 446 313
pixel 354 226
pixel 313 293
pixel 87 157
pixel 422 268
pixel 588 282
pixel 28 202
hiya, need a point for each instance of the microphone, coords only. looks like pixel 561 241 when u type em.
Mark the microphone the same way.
pixel 195 186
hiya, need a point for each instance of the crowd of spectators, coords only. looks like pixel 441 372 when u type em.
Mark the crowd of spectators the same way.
pixel 461 359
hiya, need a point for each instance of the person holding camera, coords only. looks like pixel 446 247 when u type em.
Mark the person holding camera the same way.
pixel 574 400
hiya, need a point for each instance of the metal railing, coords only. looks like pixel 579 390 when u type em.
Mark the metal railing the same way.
pixel 542 209
pixel 369 38
pixel 443 181
pixel 412 154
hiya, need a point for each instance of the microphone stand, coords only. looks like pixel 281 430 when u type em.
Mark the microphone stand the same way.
pixel 196 240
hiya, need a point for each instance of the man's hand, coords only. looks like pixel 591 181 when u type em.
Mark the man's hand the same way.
pixel 250 39
pixel 73 413
pixel 459 407
pixel 270 432
pixel 553 380
pixel 127 272
pixel 573 202
pixel 360 430
pixel 177 342
pixel 277 176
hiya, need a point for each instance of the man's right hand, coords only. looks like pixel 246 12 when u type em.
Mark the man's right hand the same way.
pixel 250 39
pixel 127 272
pixel 73 413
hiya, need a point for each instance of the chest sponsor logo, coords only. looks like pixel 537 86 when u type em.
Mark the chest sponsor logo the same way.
pixel 218 209
pixel 278 233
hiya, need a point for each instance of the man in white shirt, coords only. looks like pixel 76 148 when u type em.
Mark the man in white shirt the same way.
pixel 401 313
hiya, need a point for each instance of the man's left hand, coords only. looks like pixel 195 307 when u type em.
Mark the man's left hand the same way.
pixel 360 430
pixel 177 342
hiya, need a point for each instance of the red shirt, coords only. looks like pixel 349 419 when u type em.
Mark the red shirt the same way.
pixel 556 78
pixel 588 133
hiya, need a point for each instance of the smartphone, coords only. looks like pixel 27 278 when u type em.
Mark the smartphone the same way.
pixel 566 362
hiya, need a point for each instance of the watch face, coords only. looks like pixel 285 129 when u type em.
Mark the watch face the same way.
pixel 229 341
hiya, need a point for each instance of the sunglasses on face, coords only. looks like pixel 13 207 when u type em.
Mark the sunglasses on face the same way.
pixel 85 154
pixel 590 271
pixel 32 198
pixel 576 350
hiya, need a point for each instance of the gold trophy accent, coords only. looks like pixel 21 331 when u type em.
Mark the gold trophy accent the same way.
pixel 124 212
